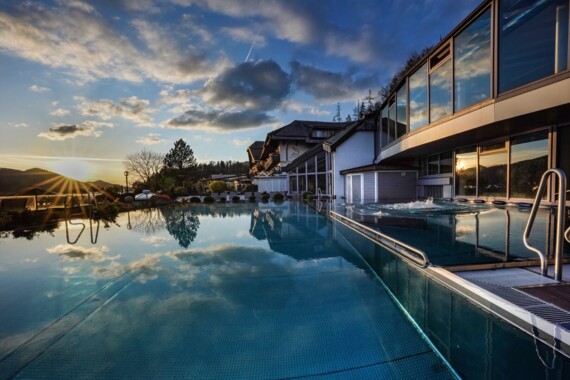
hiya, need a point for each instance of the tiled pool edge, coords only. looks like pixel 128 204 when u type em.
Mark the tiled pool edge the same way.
pixel 551 334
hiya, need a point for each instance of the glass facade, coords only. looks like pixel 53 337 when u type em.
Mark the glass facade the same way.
pixel 493 173
pixel 440 92
pixel 385 135
pixel 533 40
pixel 310 175
pixel 466 172
pixel 401 112
pixel 472 63
pixel 392 122
pixel 419 98
pixel 529 160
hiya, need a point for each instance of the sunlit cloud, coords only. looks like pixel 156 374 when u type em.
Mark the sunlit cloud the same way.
pixel 132 108
pixel 66 132
pixel 150 139
pixel 60 112
pixel 38 89
pixel 18 125
pixel 72 36
pixel 219 120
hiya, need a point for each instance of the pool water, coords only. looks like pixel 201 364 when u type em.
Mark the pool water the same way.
pixel 226 291
pixel 454 233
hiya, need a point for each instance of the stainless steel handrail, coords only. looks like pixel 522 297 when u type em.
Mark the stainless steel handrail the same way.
pixel 414 254
pixel 559 242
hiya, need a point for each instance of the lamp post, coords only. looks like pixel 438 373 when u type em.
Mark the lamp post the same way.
pixel 127 182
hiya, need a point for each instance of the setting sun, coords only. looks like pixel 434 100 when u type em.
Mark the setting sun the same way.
pixel 73 168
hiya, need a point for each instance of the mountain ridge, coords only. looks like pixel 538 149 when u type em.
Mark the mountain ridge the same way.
pixel 15 182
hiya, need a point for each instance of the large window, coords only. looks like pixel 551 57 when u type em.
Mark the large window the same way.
pixel 401 112
pixel 321 162
pixel 529 160
pixel 493 171
pixel 392 120
pixel 533 40
pixel 440 86
pixel 419 98
pixel 465 172
pixel 385 126
pixel 472 61
pixel 293 184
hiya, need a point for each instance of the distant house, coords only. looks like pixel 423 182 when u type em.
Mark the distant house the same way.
pixel 233 182
pixel 284 145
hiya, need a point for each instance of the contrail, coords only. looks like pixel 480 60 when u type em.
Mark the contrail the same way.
pixel 253 44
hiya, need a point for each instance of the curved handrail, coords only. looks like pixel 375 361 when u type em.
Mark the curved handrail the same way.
pixel 567 235
pixel 559 223
pixel 414 254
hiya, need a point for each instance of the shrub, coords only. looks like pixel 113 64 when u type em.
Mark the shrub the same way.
pixel 209 199
pixel 252 198
pixel 195 200
pixel 310 197
pixel 278 197
pixel 306 194
pixel 217 186
pixel 128 199
pixel 181 190
pixel 264 197
pixel 160 199
pixel 236 199
pixel 222 200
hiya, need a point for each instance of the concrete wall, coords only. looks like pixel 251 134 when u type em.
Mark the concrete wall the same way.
pixel 357 150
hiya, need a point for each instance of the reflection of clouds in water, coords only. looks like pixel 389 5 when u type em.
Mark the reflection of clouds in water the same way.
pixel 147 266
pixel 70 271
pixel 156 241
pixel 77 252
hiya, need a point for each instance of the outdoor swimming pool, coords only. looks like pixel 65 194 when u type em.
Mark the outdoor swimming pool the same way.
pixel 228 291
pixel 454 233
pixel 239 291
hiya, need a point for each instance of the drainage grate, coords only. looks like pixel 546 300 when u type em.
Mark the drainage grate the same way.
pixel 513 296
pixel 550 313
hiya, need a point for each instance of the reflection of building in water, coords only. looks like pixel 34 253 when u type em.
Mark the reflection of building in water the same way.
pixel 294 230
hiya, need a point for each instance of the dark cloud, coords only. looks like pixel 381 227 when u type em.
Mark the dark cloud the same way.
pixel 65 132
pixel 224 121
pixel 260 86
pixel 326 85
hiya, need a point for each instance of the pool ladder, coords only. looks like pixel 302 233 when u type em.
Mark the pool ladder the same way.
pixel 560 214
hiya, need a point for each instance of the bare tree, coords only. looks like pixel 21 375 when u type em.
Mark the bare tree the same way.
pixel 145 165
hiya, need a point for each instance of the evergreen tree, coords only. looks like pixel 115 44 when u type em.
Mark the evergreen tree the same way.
pixel 180 157
pixel 348 119
pixel 362 111
pixel 356 111
pixel 337 117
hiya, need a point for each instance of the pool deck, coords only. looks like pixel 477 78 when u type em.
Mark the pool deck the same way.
pixel 538 305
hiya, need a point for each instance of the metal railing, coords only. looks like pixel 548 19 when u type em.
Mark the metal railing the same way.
pixel 560 234
pixel 413 254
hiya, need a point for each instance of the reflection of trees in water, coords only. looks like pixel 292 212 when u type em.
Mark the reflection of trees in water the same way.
pixel 148 221
pixel 182 224
pixel 28 225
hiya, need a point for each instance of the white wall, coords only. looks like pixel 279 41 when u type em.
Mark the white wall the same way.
pixel 357 150
pixel 271 184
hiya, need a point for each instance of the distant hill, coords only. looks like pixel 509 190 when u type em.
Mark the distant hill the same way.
pixel 29 181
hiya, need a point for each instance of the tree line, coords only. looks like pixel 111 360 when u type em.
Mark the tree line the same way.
pixel 175 171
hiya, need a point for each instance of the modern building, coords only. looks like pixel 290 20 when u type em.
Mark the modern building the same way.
pixel 487 111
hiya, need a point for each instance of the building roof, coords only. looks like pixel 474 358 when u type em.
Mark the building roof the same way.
pixel 254 151
pixel 366 124
pixel 378 168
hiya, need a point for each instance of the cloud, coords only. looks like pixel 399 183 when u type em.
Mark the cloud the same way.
pixel 304 108
pixel 19 125
pixel 326 85
pixel 59 112
pixel 74 37
pixel 133 109
pixel 38 89
pixel 157 241
pixel 66 132
pixel 260 85
pixel 219 120
pixel 177 97
pixel 150 139
pixel 242 142
pixel 77 253
pixel 244 35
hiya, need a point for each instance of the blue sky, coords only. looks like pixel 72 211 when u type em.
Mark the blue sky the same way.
pixel 90 82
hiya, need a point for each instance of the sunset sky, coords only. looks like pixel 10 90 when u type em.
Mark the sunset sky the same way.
pixel 83 84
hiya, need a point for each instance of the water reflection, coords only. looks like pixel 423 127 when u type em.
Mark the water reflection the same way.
pixel 459 234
